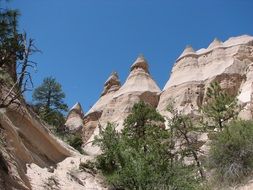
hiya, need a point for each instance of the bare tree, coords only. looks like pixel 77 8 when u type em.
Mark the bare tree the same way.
pixel 24 74
pixel 23 80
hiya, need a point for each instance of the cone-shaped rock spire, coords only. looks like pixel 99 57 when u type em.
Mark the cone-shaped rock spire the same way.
pixel 139 79
pixel 187 51
pixel 77 108
pixel 216 43
pixel 112 84
pixel 140 62
pixel 74 119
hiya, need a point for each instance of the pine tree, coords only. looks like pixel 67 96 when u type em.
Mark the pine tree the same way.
pixel 184 131
pixel 220 106
pixel 48 98
pixel 50 95
pixel 139 156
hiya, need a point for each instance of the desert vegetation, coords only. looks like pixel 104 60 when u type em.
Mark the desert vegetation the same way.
pixel 148 155
pixel 141 157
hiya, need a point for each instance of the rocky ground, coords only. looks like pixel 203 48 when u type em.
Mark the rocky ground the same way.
pixel 66 175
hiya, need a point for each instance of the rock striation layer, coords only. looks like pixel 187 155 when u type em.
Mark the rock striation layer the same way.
pixel 230 63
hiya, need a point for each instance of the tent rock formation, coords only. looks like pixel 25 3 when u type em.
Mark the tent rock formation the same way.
pixel 229 62
pixel 115 106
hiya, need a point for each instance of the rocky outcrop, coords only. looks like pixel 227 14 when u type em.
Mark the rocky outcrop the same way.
pixel 74 121
pixel 229 63
pixel 115 106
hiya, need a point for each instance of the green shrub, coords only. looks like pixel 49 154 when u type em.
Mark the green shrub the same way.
pixel 108 141
pixel 128 165
pixel 231 153
pixel 76 142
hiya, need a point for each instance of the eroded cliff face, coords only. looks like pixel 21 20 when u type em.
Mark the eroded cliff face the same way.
pixel 26 140
pixel 115 105
pixel 31 157
pixel 229 63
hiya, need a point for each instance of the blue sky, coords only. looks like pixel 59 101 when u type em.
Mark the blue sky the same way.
pixel 83 41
